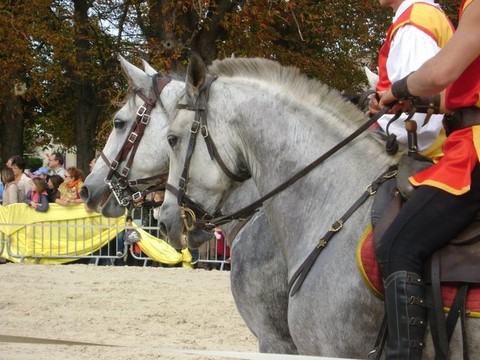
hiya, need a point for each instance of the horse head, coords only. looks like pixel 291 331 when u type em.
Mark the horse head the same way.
pixel 211 173
pixel 133 157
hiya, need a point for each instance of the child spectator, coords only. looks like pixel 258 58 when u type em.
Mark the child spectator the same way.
pixel 53 193
pixel 70 188
pixel 10 190
pixel 41 173
pixel 36 198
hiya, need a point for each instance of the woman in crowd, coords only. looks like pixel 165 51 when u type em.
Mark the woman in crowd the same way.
pixel 18 165
pixel 53 193
pixel 36 197
pixel 70 188
pixel 10 192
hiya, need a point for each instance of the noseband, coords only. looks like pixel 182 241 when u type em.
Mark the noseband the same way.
pixel 119 185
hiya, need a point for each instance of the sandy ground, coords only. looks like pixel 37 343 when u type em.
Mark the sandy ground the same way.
pixel 141 312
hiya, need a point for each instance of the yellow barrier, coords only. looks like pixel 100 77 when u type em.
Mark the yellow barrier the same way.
pixel 55 236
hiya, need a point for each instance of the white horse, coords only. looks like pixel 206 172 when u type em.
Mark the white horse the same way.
pixel 271 121
pixel 264 308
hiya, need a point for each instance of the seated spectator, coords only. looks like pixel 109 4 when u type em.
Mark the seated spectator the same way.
pixel 128 236
pixel 53 183
pixel 41 173
pixel 10 189
pixel 223 251
pixel 70 188
pixel 36 197
pixel 121 236
pixel 18 165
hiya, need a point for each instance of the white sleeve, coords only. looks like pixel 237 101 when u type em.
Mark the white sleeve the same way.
pixel 409 49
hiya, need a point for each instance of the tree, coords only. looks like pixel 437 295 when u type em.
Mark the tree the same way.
pixel 65 51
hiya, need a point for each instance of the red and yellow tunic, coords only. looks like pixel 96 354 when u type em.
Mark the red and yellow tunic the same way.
pixel 462 148
pixel 424 16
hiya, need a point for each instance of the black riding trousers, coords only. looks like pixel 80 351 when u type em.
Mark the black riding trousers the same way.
pixel 428 221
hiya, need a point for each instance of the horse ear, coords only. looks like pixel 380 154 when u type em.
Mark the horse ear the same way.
pixel 136 77
pixel 372 78
pixel 196 73
pixel 148 68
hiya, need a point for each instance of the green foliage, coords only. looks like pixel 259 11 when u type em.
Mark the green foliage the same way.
pixel 34 163
pixel 65 51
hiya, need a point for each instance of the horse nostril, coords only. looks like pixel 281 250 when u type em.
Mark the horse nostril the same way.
pixel 84 193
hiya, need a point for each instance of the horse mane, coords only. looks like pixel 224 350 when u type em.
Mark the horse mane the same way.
pixel 291 81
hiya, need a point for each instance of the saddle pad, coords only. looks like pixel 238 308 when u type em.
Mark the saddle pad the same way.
pixel 370 271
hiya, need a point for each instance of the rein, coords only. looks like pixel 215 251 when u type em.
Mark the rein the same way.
pixel 248 210
pixel 123 188
pixel 200 122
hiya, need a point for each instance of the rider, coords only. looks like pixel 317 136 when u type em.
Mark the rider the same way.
pixel 418 31
pixel 448 194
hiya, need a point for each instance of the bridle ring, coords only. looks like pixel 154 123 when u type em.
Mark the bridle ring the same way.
pixel 183 213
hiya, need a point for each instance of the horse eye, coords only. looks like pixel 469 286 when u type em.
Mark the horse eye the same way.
pixel 118 124
pixel 172 140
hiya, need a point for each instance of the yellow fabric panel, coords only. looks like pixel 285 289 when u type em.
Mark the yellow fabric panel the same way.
pixel 433 21
pixel 71 231
pixel 435 151
pixel 161 251
pixel 62 230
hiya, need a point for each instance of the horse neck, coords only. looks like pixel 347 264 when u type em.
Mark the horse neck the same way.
pixel 279 138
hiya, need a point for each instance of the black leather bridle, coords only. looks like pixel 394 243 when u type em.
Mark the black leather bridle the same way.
pixel 192 214
pixel 124 189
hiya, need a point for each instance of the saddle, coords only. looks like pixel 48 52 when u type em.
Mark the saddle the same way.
pixel 457 263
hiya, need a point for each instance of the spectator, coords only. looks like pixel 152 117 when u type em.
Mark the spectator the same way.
pixel 10 192
pixel 55 163
pixel 158 198
pixel 92 164
pixel 53 183
pixel 125 237
pixel 223 251
pixel 41 173
pixel 36 197
pixel 70 188
pixel 18 164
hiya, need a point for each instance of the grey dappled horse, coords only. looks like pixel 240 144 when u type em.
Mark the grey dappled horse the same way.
pixel 272 121
pixel 263 307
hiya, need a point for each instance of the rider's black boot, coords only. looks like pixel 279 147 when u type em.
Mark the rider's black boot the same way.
pixel 407 316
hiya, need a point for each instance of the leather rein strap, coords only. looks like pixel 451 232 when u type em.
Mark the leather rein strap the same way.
pixel 250 209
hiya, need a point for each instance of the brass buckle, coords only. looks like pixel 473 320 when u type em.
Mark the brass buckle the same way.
pixel 336 226
pixel 184 212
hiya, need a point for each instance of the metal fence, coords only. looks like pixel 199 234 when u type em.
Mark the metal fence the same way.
pixel 85 241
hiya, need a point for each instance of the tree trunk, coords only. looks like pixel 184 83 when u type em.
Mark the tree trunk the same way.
pixel 12 124
pixel 86 118
pixel 87 107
